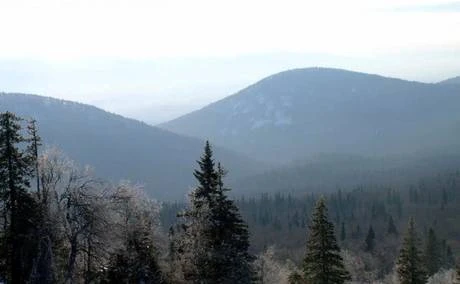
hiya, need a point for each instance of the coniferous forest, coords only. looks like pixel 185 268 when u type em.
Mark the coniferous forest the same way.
pixel 63 224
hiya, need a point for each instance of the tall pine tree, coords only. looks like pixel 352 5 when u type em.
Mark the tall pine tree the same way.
pixel 216 239
pixel 343 234
pixel 410 263
pixel 392 227
pixel 19 208
pixel 323 263
pixel 370 240
pixel 432 254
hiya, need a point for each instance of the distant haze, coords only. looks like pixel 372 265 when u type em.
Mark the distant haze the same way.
pixel 156 60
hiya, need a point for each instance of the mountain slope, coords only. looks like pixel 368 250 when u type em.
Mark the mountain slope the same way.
pixel 451 81
pixel 328 172
pixel 298 113
pixel 121 148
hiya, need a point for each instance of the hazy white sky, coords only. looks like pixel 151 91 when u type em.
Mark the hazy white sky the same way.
pixel 157 59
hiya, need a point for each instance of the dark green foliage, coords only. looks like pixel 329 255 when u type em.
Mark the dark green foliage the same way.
pixel 447 256
pixel 356 234
pixel 410 263
pixel 391 230
pixel 207 178
pixel 137 263
pixel 119 269
pixel 296 278
pixel 323 263
pixel 432 253
pixel 18 207
pixel 215 243
pixel 34 144
pixel 370 240
pixel 343 234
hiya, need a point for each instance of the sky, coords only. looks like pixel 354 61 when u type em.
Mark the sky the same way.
pixel 155 60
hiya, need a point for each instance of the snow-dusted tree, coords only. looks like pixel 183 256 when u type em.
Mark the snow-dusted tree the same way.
pixel 443 277
pixel 272 271
pixel 215 241
pixel 411 269
pixel 361 266
pixel 135 257
pixel 43 266
pixel 323 263
pixel 77 216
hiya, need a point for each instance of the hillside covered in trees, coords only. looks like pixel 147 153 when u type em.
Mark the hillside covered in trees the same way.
pixel 299 113
pixel 120 148
pixel 62 224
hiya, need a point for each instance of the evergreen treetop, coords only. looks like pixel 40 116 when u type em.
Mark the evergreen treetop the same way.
pixel 206 175
pixel 323 263
pixel 432 254
pixel 216 241
pixel 411 268
pixel 370 239
pixel 19 208
pixel 392 227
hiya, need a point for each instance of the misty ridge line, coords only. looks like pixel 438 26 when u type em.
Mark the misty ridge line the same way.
pixel 278 126
pixel 169 88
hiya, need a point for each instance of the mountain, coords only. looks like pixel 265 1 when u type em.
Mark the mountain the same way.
pixel 121 148
pixel 299 113
pixel 451 81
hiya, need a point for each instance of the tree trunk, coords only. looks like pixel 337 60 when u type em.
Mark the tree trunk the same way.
pixel 71 261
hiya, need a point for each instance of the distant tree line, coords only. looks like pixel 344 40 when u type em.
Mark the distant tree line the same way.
pixel 370 222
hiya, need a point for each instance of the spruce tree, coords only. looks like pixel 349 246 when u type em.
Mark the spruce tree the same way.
pixel 34 143
pixel 343 234
pixel 392 227
pixel 410 264
pixel 42 270
pixel 232 238
pixel 216 239
pixel 449 259
pixel 432 255
pixel 370 240
pixel 19 208
pixel 323 263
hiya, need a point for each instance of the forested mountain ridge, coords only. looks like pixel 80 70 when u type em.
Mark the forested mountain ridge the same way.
pixel 120 148
pixel 327 172
pixel 302 112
